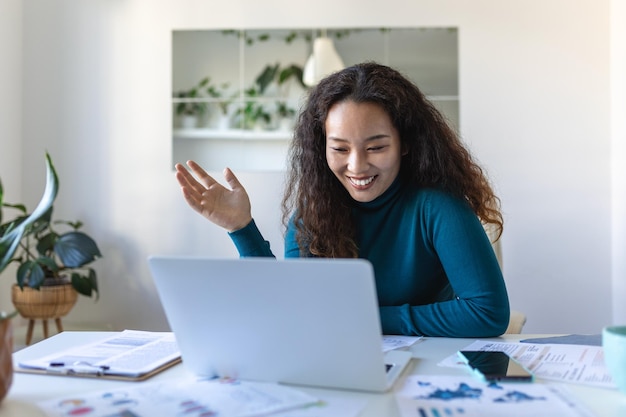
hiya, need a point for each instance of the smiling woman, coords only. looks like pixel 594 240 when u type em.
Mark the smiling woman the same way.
pixel 362 148
pixel 377 173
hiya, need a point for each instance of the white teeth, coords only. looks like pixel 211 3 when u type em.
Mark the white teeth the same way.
pixel 361 183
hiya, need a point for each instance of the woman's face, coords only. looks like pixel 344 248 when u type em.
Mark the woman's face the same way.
pixel 362 148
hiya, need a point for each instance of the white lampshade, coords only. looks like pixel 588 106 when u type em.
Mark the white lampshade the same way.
pixel 323 61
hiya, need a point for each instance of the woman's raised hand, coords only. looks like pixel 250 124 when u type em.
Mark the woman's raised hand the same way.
pixel 228 208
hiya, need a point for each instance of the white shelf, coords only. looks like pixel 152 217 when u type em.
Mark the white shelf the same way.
pixel 233 134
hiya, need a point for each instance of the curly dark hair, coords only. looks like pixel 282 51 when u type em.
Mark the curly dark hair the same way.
pixel 435 157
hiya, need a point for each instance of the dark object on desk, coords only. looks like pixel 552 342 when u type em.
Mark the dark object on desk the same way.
pixel 496 366
pixel 570 339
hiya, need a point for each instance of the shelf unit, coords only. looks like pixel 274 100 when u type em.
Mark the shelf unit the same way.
pixel 233 135
pixel 429 56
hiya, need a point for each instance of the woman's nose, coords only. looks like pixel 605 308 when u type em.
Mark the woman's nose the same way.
pixel 357 162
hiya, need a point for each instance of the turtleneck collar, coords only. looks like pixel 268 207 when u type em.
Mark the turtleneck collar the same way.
pixel 384 198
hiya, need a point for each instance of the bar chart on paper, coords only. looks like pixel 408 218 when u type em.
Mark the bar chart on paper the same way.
pixel 443 396
pixel 440 412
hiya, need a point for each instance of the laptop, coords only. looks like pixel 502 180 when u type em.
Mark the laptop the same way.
pixel 312 322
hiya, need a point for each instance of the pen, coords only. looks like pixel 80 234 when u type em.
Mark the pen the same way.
pixel 77 368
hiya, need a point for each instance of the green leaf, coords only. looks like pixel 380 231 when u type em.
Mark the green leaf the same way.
pixel 20 207
pixel 30 273
pixel 294 71
pixel 76 249
pixel 10 242
pixel 266 77
pixel 204 82
pixel 94 282
pixel 46 243
pixel 40 224
pixel 47 262
pixel 74 225
pixel 85 285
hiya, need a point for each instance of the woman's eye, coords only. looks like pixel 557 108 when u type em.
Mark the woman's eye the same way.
pixel 375 148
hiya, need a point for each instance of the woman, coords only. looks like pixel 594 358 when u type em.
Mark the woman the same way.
pixel 377 173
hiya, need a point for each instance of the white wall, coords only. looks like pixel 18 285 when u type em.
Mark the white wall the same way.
pixel 535 98
pixel 10 117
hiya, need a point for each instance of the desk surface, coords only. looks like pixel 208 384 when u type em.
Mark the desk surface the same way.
pixel 28 389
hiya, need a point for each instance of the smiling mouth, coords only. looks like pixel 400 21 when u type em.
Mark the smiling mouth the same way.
pixel 362 182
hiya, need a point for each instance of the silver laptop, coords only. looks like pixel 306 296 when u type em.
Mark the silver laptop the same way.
pixel 303 321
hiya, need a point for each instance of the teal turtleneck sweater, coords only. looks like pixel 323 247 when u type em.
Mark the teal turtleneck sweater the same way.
pixel 436 272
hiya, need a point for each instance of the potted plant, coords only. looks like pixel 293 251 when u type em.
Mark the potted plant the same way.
pixel 53 259
pixel 189 109
pixel 253 115
pixel 9 241
pixel 285 115
pixel 218 92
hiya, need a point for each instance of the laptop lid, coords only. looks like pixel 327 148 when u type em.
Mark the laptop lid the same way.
pixel 297 321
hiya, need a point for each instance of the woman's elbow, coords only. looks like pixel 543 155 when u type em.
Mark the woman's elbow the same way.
pixel 496 323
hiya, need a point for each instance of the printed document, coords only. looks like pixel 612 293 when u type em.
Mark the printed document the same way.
pixel 580 364
pixel 182 397
pixel 424 395
pixel 391 342
pixel 130 353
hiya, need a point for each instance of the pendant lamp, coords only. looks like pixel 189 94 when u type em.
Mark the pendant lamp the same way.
pixel 323 61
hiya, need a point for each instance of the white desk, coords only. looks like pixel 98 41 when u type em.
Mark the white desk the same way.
pixel 28 389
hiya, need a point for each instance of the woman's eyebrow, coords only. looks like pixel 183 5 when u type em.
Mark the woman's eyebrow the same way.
pixel 369 139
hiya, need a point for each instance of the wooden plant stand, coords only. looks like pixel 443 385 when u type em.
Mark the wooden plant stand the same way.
pixel 31 327
pixel 52 302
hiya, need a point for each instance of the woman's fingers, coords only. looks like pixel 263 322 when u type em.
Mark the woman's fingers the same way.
pixel 204 178
pixel 192 190
pixel 232 180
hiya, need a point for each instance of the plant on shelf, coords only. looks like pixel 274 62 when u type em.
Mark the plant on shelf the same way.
pixel 188 108
pixel 279 75
pixel 289 72
pixel 253 115
pixel 218 92
pixel 285 115
pixel 284 111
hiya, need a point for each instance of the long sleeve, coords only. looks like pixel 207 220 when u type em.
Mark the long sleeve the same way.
pixel 478 304
pixel 436 272
pixel 250 242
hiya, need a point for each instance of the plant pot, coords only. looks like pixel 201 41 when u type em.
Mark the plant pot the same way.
pixel 188 121
pixel 223 122
pixel 49 302
pixel 6 356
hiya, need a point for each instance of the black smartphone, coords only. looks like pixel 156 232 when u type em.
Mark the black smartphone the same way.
pixel 496 366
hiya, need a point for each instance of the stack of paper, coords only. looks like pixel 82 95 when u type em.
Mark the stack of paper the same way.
pixel 188 397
